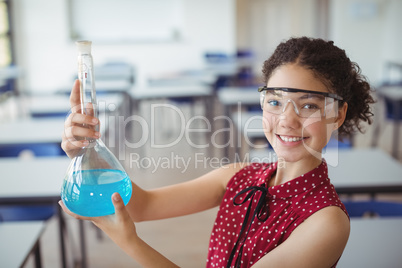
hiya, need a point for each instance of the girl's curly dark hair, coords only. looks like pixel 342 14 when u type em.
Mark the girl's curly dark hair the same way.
pixel 334 69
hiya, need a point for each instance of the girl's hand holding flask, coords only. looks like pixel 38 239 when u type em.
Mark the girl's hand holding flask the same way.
pixel 78 127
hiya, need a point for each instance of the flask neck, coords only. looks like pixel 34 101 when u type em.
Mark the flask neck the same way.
pixel 87 84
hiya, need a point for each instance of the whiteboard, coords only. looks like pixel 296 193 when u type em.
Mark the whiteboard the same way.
pixel 125 20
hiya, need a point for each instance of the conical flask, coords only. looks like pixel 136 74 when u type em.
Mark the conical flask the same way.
pixel 94 173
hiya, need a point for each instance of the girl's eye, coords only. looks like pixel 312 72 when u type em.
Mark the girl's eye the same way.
pixel 273 102
pixel 310 106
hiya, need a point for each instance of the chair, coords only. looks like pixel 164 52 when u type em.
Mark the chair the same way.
pixel 26 213
pixel 49 115
pixel 8 77
pixel 37 149
pixel 6 86
pixel 224 66
pixel 233 70
pixel 373 208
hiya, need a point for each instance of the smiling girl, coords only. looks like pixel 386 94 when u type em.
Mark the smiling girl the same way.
pixel 270 215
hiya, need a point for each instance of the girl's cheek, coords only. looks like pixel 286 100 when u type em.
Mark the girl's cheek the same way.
pixel 314 127
pixel 268 123
pixel 320 130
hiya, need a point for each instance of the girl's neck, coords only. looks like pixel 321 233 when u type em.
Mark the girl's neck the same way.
pixel 287 171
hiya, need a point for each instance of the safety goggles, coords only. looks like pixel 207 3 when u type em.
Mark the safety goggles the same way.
pixel 306 103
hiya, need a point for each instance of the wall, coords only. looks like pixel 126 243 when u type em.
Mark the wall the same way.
pixel 47 56
pixel 263 24
pixel 370 33
pixel 368 30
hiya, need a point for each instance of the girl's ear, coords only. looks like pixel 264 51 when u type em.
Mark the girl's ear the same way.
pixel 341 116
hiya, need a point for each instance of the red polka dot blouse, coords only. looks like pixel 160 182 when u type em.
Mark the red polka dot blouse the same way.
pixel 253 220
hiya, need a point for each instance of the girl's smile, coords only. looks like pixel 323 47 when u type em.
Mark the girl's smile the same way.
pixel 290 140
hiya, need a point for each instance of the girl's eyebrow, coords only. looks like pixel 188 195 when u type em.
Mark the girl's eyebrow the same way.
pixel 276 93
pixel 311 96
pixel 282 94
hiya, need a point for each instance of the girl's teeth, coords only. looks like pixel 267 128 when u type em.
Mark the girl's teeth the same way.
pixel 291 139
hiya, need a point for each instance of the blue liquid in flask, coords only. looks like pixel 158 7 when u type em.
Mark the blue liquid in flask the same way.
pixel 93 197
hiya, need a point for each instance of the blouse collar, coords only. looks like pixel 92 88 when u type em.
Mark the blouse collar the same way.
pixel 296 186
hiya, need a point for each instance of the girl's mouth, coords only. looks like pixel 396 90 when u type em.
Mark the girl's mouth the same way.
pixel 290 139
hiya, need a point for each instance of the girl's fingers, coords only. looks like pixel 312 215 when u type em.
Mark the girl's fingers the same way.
pixel 66 210
pixel 120 209
pixel 77 118
pixel 89 109
pixel 73 144
pixel 81 126
pixel 80 132
pixel 75 100
pixel 77 129
pixel 124 224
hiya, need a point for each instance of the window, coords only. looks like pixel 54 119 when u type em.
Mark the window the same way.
pixel 126 20
pixel 5 34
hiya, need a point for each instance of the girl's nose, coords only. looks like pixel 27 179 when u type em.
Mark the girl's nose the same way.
pixel 289 117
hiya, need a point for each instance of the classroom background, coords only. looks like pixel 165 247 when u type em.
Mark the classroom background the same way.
pixel 177 87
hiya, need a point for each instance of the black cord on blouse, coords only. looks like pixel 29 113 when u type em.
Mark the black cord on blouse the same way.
pixel 262 207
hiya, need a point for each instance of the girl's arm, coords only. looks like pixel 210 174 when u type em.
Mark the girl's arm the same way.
pixel 181 199
pixel 318 242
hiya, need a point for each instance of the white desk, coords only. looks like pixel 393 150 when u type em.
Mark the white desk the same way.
pixel 182 79
pixel 18 241
pixel 48 131
pixel 35 178
pixel 60 103
pixel 202 92
pixel 47 104
pixel 30 130
pixel 373 243
pixel 179 91
pixel 35 181
pixel 364 171
pixel 228 68
pixel 236 95
pixel 110 106
pixel 111 85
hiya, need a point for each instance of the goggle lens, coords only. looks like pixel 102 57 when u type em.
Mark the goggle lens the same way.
pixel 305 103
